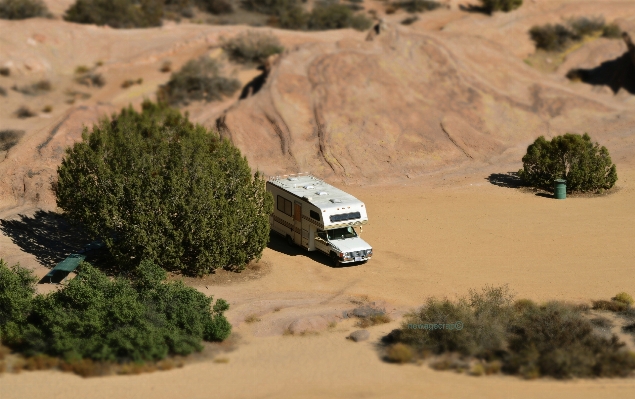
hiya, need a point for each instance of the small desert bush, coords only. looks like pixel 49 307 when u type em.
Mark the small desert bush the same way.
pixel 612 31
pixel 500 5
pixel 130 82
pixel 586 26
pixel 553 37
pixel 413 6
pixel 91 79
pixel 252 318
pixel 624 298
pixel 586 166
pixel 5 71
pixel 116 13
pixel 556 340
pixel 326 16
pixel 34 89
pixel 9 138
pixel 410 20
pixel 252 47
pixel 22 9
pixel 611 306
pixel 216 6
pixel 270 7
pixel 47 109
pixel 166 67
pixel 25 112
pixel 198 80
pixel 81 69
pixel 3 91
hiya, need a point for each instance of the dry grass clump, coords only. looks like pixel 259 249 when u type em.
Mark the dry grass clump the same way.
pixel 90 79
pixel 252 318
pixel 399 353
pixel 522 338
pixel 410 20
pixel 222 360
pixel 624 298
pixel 252 47
pixel 25 112
pixel 166 67
pixel 41 362
pixel 199 79
pixel 47 109
pixel 373 320
pixel 3 91
pixel 129 82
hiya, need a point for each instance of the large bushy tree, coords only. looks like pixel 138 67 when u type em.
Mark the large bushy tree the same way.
pixel 138 319
pixel 586 166
pixel 154 186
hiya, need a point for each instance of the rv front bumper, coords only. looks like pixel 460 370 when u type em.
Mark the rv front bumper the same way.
pixel 356 256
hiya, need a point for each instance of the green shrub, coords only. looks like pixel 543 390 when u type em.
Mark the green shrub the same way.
pixel 624 298
pixel 326 16
pixel 9 138
pixel 116 13
pixel 552 37
pixel 17 287
pixel 95 317
pixel 611 306
pixel 154 186
pixel 252 47
pixel 22 9
pixel 586 166
pixel 197 80
pixel 500 5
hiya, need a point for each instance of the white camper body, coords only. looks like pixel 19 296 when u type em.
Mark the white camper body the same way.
pixel 317 216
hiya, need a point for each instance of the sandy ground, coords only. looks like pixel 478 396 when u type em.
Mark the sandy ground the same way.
pixel 436 236
pixel 439 234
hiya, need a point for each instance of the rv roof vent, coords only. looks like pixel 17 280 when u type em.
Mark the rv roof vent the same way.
pixel 293 179
pixel 308 187
pixel 321 193
pixel 336 200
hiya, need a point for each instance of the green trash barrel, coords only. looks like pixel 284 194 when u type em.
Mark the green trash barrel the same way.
pixel 560 190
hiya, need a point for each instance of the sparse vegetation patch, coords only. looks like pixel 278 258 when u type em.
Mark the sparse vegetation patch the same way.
pixel 199 79
pixel 516 337
pixel 25 112
pixel 9 138
pixel 500 5
pixel 558 37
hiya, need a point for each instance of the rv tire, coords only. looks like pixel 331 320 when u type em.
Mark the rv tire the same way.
pixel 290 241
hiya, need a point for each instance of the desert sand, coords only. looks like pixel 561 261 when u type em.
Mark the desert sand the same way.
pixel 438 226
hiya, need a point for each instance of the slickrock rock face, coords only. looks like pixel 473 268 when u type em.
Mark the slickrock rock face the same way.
pixel 403 103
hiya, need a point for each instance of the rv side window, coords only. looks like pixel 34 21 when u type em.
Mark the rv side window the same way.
pixel 315 215
pixel 284 205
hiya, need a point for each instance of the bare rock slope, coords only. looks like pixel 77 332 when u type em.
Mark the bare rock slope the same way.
pixel 402 103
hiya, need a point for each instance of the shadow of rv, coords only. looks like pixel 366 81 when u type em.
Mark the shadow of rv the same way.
pixel 279 244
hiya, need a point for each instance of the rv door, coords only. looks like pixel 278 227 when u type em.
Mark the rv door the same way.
pixel 297 223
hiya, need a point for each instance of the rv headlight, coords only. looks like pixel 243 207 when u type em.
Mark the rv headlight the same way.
pixel 348 255
pixel 369 252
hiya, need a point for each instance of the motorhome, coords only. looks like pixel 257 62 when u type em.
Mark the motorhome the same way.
pixel 316 216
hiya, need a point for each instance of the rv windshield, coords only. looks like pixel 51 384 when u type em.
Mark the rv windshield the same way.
pixel 341 233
